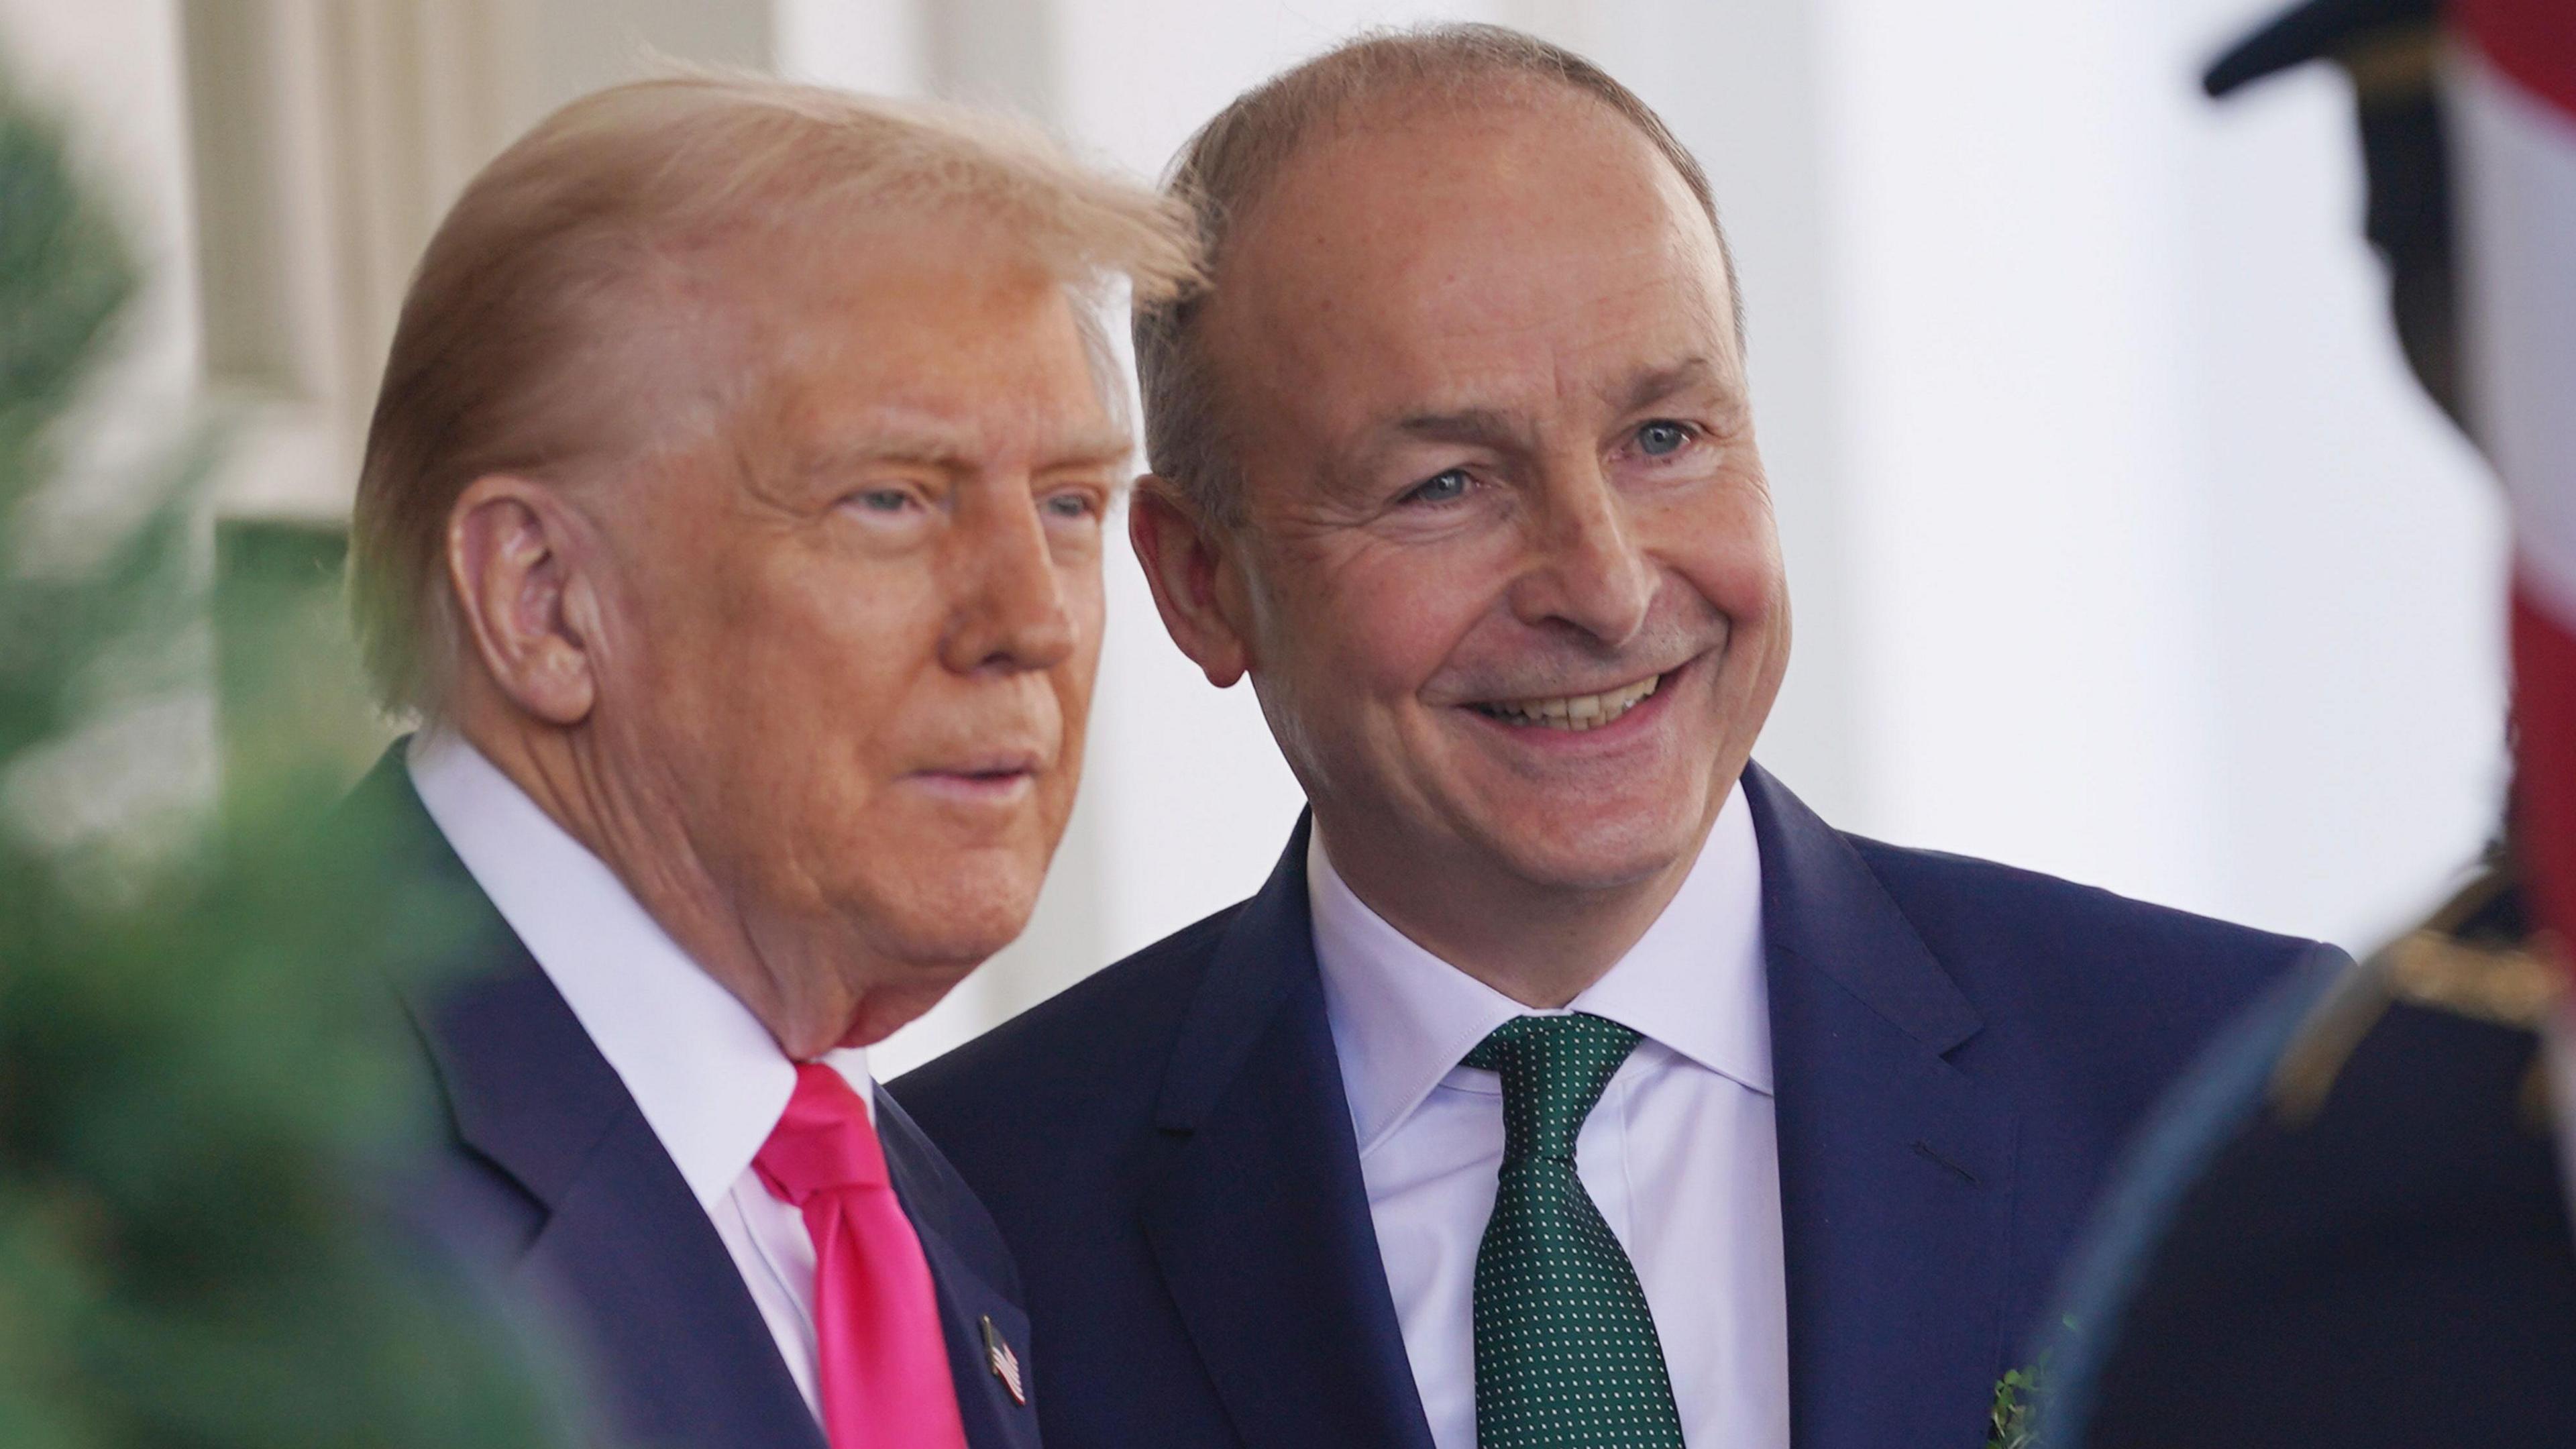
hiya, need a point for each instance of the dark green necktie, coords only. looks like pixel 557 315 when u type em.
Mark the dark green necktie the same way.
pixel 1566 1353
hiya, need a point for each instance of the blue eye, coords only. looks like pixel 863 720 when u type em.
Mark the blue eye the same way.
pixel 1660 438
pixel 885 500
pixel 1446 487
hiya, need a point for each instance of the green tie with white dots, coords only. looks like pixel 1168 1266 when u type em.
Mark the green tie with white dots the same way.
pixel 1566 1353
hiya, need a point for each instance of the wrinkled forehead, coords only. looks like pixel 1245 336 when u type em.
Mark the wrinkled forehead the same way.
pixel 800 334
pixel 1522 145
pixel 1427 240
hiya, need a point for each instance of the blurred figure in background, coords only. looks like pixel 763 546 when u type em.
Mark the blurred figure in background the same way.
pixel 2352 1227
pixel 1462 1131
pixel 732 518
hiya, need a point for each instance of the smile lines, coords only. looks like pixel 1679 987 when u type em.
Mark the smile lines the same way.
pixel 1573 712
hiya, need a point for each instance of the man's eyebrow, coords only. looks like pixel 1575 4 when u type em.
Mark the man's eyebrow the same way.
pixel 1656 384
pixel 1489 427
pixel 1101 448
pixel 1485 427
pixel 937 447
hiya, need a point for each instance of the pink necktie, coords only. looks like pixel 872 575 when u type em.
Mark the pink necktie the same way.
pixel 881 1359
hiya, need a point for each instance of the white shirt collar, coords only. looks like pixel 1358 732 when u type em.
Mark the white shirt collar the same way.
pixel 1401 1017
pixel 707 1075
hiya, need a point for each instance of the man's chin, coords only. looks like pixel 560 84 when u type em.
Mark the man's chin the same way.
pixel 888 1007
pixel 1592 851
pixel 908 937
pixel 956 937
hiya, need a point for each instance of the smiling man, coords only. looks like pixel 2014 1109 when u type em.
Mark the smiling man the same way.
pixel 1569 1083
pixel 731 517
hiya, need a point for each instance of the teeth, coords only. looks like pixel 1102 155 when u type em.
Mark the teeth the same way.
pixel 1576 712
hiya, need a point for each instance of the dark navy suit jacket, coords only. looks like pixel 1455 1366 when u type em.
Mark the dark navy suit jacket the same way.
pixel 551 1169
pixel 1958 1049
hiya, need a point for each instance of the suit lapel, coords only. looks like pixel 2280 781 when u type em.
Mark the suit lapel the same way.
pixel 1896 1175
pixel 1258 1216
pixel 995 1417
pixel 1895 1167
pixel 622 1251
pixel 683 1349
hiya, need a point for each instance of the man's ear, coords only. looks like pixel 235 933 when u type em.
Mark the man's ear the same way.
pixel 529 614
pixel 1195 577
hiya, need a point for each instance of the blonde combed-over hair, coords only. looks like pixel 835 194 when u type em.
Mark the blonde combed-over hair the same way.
pixel 548 331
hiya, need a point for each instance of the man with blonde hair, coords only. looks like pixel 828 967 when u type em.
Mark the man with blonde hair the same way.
pixel 1569 1082
pixel 731 518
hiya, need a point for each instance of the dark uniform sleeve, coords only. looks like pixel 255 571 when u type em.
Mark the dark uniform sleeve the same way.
pixel 2348 1228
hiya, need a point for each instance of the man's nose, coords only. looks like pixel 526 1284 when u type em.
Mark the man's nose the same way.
pixel 1585 568
pixel 1010 612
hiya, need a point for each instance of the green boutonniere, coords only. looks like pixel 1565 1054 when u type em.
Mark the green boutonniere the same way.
pixel 2009 1425
pixel 2013 1422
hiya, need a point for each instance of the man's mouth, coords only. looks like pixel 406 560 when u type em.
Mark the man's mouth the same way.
pixel 1574 711
pixel 993 776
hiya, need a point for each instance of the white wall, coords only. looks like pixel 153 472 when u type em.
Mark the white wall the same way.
pixel 2352 544
pixel 2170 578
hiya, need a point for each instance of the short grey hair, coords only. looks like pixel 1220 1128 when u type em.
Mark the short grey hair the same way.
pixel 1233 159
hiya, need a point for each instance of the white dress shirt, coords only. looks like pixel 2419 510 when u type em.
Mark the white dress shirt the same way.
pixel 1680 1154
pixel 707 1075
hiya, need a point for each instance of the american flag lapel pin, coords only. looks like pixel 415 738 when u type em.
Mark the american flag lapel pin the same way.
pixel 1004 1363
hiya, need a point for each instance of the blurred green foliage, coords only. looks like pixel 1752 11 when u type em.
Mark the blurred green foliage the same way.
pixel 206 1093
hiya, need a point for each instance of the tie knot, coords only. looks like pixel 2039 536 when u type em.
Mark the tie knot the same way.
pixel 1553 1068
pixel 823 1142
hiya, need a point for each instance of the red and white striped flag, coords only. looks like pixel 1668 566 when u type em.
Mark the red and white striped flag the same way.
pixel 2513 98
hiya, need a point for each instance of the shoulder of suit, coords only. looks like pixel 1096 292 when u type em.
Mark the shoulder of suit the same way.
pixel 1945 892
pixel 1154 974
pixel 1103 1023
